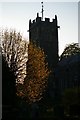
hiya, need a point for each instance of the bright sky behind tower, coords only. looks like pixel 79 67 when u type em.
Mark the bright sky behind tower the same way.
pixel 16 15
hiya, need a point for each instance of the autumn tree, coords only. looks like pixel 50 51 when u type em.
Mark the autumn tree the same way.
pixel 69 50
pixel 37 74
pixel 14 49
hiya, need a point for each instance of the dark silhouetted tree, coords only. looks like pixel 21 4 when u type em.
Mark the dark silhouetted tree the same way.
pixel 8 90
pixel 69 50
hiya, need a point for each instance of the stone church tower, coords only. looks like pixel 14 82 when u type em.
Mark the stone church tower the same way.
pixel 45 35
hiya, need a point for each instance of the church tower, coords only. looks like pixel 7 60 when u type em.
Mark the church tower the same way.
pixel 45 35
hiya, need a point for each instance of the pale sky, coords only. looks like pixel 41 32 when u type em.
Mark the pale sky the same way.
pixel 16 15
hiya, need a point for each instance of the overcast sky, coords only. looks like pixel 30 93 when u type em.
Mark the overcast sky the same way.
pixel 16 15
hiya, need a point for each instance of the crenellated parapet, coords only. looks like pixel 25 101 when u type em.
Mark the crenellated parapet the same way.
pixel 39 19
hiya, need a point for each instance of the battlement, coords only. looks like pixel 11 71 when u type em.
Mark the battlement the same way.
pixel 39 19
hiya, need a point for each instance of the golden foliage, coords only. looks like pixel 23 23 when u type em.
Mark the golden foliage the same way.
pixel 16 52
pixel 37 73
